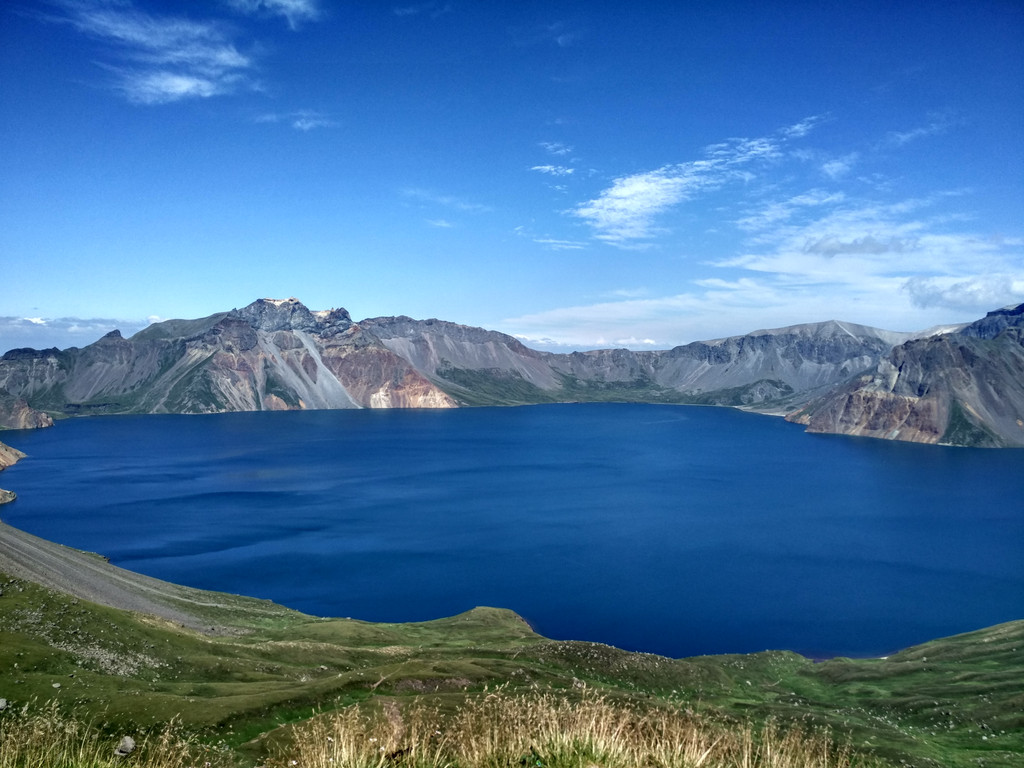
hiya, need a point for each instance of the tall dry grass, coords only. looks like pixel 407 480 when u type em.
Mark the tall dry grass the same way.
pixel 548 731
pixel 46 737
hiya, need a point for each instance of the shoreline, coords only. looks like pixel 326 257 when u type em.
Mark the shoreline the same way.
pixel 8 457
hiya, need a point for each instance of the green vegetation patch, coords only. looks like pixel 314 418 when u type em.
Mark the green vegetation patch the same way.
pixel 258 689
pixel 491 386
pixel 276 387
pixel 963 430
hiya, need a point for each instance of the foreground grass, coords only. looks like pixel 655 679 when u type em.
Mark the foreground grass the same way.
pixel 45 737
pixel 494 730
pixel 549 731
pixel 256 696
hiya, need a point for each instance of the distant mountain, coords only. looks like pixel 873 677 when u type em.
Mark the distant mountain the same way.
pixel 959 388
pixel 769 369
pixel 277 354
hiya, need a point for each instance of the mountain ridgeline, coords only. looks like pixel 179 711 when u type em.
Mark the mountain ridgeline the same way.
pixel 965 387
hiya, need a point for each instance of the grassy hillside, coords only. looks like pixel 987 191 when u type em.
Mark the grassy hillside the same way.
pixel 282 685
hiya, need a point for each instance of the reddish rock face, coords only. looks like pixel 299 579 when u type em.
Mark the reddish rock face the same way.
pixel 17 414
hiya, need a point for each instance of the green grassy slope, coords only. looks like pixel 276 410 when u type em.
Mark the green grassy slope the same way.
pixel 953 702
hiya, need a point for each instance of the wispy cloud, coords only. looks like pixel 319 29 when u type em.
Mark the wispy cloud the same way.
pixel 447 201
pixel 805 126
pixel 555 244
pixel 556 148
pixel 301 120
pixel 158 59
pixel 558 33
pixel 774 213
pixel 838 167
pixel 548 242
pixel 554 170
pixel 294 11
pixel 902 265
pixel 440 223
pixel 881 254
pixel 899 138
pixel 624 214
pixel 432 9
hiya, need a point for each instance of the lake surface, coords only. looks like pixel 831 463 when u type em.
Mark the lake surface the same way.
pixel 670 529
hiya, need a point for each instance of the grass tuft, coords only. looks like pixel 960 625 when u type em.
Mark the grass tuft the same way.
pixel 36 736
pixel 548 730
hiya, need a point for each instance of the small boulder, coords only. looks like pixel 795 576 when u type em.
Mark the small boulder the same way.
pixel 126 747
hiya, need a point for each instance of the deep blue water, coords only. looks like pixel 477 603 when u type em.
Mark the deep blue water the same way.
pixel 671 529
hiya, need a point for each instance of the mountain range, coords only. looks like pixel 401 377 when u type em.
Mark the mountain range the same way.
pixel 962 385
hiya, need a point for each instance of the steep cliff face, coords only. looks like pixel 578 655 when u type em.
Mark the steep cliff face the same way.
pixel 961 388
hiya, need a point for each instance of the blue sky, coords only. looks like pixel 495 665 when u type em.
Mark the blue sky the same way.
pixel 578 174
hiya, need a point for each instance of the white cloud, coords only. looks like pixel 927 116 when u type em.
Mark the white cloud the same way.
pixel 624 214
pixel 809 243
pixel 774 213
pixel 432 9
pixel 294 11
pixel 555 244
pixel 165 87
pixel 973 293
pixel 902 265
pixel 634 342
pixel 441 223
pixel 302 120
pixel 839 166
pixel 161 59
pixel 556 148
pixel 557 33
pixel 446 201
pixel 899 138
pixel 802 128
pixel 554 170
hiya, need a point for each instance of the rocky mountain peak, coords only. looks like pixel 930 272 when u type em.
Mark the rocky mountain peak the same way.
pixel 995 322
pixel 277 315
pixel 292 315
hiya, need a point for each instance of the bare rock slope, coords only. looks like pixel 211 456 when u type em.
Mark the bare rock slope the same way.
pixel 960 388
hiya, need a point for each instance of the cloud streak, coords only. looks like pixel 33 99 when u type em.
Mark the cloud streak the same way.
pixel 625 213
pixel 302 120
pixel 446 201
pixel 432 9
pixel 294 12
pixel 554 170
pixel 162 59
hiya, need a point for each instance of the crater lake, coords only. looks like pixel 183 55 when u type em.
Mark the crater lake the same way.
pixel 669 529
